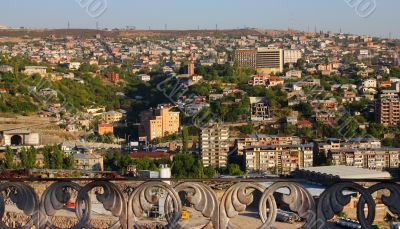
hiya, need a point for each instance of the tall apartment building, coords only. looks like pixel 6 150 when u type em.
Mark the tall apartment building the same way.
pixel 291 56
pixel 214 145
pixel 191 67
pixel 269 60
pixel 375 159
pixel 280 159
pixel 265 60
pixel 157 123
pixel 246 57
pixel 387 111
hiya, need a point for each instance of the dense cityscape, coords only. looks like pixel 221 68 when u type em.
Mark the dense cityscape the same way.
pixel 192 128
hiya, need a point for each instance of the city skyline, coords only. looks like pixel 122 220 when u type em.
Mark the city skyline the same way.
pixel 306 15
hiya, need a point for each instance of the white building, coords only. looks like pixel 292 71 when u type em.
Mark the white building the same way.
pixel 291 56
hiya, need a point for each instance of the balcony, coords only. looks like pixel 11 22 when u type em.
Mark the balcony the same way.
pixel 217 203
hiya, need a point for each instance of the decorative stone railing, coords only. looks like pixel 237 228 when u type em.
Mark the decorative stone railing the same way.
pixel 127 201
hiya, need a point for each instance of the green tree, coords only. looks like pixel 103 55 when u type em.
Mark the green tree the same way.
pixel 28 158
pixel 8 162
pixel 209 172
pixel 69 162
pixel 234 170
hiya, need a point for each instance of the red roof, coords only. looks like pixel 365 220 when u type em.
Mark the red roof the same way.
pixel 105 125
pixel 304 123
pixel 275 78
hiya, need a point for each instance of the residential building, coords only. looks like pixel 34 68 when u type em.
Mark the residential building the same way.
pixel 375 159
pixel 6 68
pixel 293 74
pixel 214 145
pixel 291 56
pixel 246 57
pixel 74 65
pixel 145 78
pixel 191 67
pixel 160 122
pixel 259 80
pixel 387 111
pixel 105 128
pixel 260 110
pixel 89 162
pixel 112 116
pixel 264 140
pixel 279 159
pixel 30 70
pixel 113 77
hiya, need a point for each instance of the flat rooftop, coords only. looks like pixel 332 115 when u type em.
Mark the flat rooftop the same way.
pixel 349 172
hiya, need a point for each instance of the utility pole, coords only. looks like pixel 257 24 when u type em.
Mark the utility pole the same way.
pixel 68 25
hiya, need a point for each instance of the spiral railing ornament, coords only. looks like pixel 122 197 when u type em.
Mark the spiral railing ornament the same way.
pixel 112 199
pixel 298 199
pixel 128 209
pixel 391 201
pixel 146 195
pixel 55 197
pixel 25 199
pixel 203 199
pixel 332 202
pixel 235 201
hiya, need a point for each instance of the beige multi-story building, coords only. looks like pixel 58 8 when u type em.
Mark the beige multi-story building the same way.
pixel 112 116
pixel 387 111
pixel 269 60
pixel 157 123
pixel 291 56
pixel 376 159
pixel 263 140
pixel 30 70
pixel 246 57
pixel 279 159
pixel 265 60
pixel 214 145
pixel 89 162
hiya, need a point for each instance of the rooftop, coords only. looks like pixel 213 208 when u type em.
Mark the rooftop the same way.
pixel 348 172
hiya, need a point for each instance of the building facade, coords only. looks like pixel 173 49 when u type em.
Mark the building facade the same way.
pixel 278 159
pixel 159 122
pixel 112 116
pixel 265 60
pixel 214 146
pixel 375 159
pixel 269 60
pixel 88 162
pixel 246 58
pixel 387 111
pixel 291 56
pixel 105 128
pixel 260 110
pixel 263 140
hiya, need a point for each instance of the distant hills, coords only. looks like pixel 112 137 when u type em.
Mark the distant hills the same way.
pixel 85 33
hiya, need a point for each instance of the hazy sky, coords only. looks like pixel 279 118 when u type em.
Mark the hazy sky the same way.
pixel 188 14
